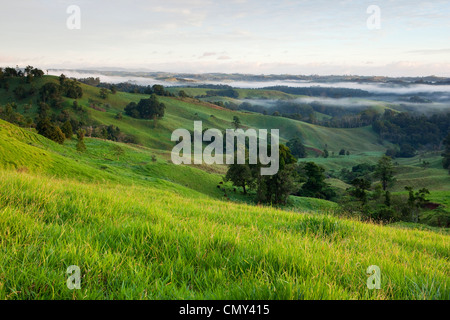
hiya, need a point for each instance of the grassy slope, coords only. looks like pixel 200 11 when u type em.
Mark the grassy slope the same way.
pixel 182 114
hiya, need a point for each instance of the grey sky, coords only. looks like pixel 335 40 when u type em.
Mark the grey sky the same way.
pixel 246 36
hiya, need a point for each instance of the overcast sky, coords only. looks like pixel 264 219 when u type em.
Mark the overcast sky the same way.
pixel 244 36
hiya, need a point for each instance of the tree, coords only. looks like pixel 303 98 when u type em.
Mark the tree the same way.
pixel 276 189
pixel 159 90
pixel 118 151
pixel 67 129
pixel 416 201
pixel 406 151
pixel 342 152
pixel 315 185
pixel 236 122
pixel 182 94
pixel 240 175
pixel 325 153
pixel 146 108
pixel 446 154
pixel 297 148
pixel 50 131
pixel 360 185
pixel 62 79
pixel 385 171
pixel 49 91
pixel 103 93
pixel 72 89
pixel 81 147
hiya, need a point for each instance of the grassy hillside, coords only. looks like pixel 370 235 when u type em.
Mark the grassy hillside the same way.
pixel 135 242
pixel 182 113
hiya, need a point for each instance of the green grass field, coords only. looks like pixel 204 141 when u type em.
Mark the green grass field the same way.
pixel 135 242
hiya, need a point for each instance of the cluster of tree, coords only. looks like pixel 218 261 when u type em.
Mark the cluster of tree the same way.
pixel 183 94
pixel 230 93
pixel 334 110
pixel 91 81
pixel 317 91
pixel 9 113
pixel 286 109
pixel 275 189
pixel 362 181
pixel 360 171
pixel 350 120
pixel 53 125
pixel 70 87
pixel 52 93
pixel 20 92
pixel 49 130
pixel 412 132
pixel 110 132
pixel 28 74
pixel 297 147
pixel 134 88
pixel 378 203
pixel 341 117
pixel 146 108
pixel 212 86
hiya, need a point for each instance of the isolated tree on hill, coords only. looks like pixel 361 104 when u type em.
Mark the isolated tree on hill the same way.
pixel 342 152
pixel 117 151
pixel 236 122
pixel 182 94
pixel 28 70
pixel 81 147
pixel 67 129
pixel 103 93
pixel 62 79
pixel 325 153
pixel 385 171
pixel 297 148
pixel 240 175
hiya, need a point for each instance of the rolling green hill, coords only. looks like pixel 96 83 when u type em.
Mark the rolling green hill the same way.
pixel 141 227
